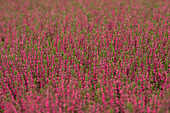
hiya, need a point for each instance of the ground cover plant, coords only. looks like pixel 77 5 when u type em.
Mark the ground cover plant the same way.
pixel 84 56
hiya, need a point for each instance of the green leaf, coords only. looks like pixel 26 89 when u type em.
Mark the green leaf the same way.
pixel 129 106
pixel 15 72
pixel 139 82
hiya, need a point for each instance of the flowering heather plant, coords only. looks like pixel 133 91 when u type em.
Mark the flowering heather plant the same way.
pixel 82 56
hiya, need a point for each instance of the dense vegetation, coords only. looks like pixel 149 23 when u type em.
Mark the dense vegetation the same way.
pixel 84 56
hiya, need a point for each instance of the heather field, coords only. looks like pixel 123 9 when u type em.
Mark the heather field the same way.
pixel 84 56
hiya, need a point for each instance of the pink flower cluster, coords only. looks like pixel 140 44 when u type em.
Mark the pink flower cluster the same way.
pixel 84 56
